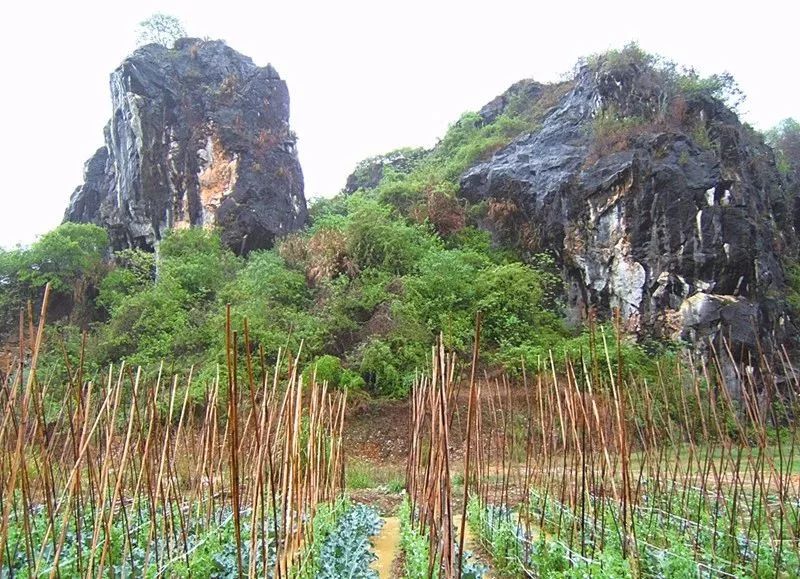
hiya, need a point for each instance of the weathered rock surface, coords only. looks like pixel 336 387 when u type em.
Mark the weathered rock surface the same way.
pixel 199 136
pixel 680 223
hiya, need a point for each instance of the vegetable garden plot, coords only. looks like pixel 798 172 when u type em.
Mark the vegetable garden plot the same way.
pixel 605 473
pixel 609 477
pixel 345 550
pixel 129 481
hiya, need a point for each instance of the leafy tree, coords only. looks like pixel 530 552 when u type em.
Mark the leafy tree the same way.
pixel 73 253
pixel 161 29
pixel 785 139
pixel 71 258
pixel 12 290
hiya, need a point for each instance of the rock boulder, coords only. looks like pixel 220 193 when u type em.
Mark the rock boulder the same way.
pixel 649 200
pixel 199 136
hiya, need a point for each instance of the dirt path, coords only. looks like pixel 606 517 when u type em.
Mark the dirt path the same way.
pixel 387 546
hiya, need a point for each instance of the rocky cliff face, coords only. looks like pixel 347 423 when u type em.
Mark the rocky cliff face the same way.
pixel 199 136
pixel 660 204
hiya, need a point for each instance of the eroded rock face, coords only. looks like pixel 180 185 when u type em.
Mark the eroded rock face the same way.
pixel 199 137
pixel 649 225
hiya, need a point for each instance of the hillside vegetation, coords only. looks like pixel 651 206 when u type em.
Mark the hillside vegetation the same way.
pixel 366 288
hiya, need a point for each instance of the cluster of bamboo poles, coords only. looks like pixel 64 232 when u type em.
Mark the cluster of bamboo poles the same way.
pixel 605 444
pixel 132 458
pixel 429 466
pixel 588 453
pixel 428 469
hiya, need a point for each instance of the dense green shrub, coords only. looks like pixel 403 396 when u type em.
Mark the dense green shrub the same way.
pixel 329 369
pixel 71 258
pixel 536 352
pixel 329 213
pixel 135 272
pixel 376 240
pixel 443 295
pixel 388 366
pixel 512 300
pixel 196 262
pixel 146 327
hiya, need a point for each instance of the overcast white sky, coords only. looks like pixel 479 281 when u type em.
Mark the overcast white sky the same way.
pixel 364 77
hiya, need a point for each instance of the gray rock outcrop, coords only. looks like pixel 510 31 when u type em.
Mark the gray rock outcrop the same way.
pixel 673 204
pixel 199 136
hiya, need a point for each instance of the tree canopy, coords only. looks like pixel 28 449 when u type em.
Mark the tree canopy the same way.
pixel 785 139
pixel 161 29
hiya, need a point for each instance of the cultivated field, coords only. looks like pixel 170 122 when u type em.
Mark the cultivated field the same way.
pixel 582 469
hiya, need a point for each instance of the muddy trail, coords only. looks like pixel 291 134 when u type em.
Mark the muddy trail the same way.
pixel 376 442
pixel 386 545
